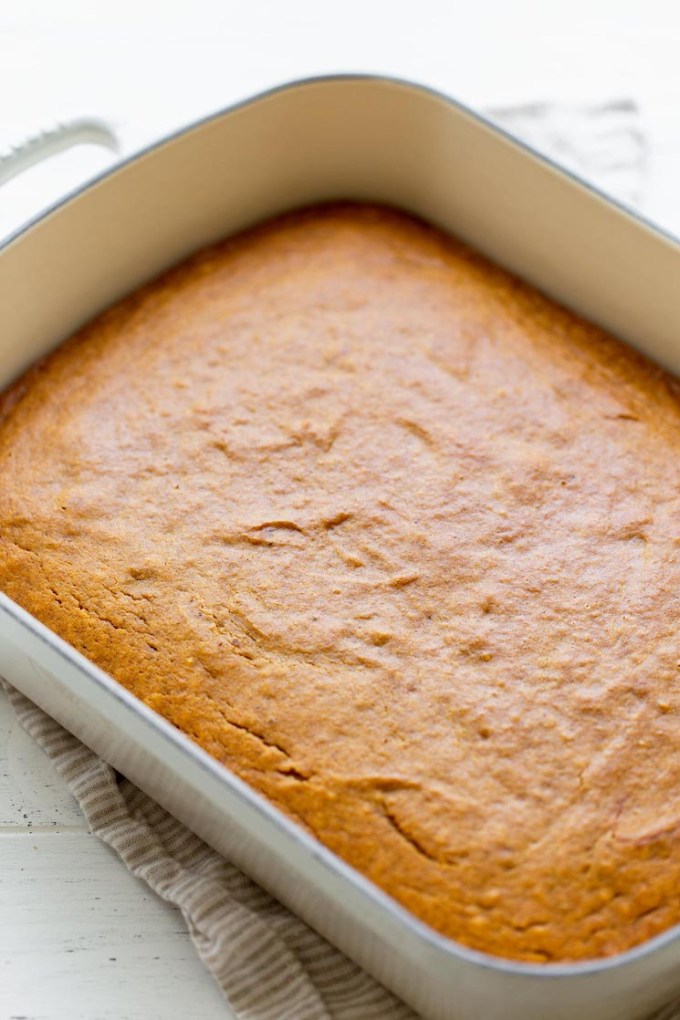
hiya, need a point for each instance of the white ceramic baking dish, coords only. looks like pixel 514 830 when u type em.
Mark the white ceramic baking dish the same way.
pixel 362 138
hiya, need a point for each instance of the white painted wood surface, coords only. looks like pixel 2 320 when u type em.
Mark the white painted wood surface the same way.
pixel 80 939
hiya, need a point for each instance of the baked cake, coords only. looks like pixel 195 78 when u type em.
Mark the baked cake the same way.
pixel 397 540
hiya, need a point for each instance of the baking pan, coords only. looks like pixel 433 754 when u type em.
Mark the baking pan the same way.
pixel 354 137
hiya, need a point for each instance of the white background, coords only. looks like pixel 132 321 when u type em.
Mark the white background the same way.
pixel 79 938
pixel 152 66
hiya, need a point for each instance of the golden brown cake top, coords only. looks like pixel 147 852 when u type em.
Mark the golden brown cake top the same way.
pixel 398 541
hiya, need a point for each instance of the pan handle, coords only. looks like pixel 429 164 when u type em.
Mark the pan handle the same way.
pixel 15 159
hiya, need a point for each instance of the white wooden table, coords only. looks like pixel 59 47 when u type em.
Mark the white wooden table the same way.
pixel 80 939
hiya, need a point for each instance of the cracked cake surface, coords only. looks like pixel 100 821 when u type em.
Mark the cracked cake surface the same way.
pixel 397 540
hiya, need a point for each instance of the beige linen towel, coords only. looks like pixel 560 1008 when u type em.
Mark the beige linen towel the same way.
pixel 269 964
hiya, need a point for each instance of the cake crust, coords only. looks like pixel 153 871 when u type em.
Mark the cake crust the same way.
pixel 397 540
